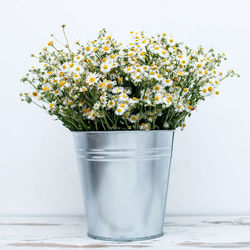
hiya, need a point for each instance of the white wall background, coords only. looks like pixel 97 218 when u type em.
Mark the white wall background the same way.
pixel 211 164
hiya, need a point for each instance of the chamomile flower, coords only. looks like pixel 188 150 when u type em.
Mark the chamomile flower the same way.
pixel 105 67
pixel 153 82
pixel 92 79
pixel 97 105
pixel 76 76
pixel 119 111
pixel 110 104
pixel 134 118
pixel 79 58
pixel 83 89
pixel 117 90
pixel 144 126
pixel 78 69
pixel 129 69
pixel 123 97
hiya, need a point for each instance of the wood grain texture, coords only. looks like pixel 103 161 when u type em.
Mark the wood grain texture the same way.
pixel 186 233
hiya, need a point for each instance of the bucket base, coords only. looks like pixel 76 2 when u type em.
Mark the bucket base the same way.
pixel 124 239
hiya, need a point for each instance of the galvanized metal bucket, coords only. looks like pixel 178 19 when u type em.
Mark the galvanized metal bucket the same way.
pixel 124 175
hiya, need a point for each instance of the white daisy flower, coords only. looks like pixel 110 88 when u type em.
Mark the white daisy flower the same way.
pixel 103 99
pixel 137 77
pixel 133 100
pixel 158 88
pixel 97 105
pixel 119 111
pixel 78 58
pixel 106 48
pixel 133 118
pixel 105 67
pixel 167 101
pixel 129 69
pixel 158 98
pixel 83 89
pixel 167 83
pixel 76 76
pixel 91 115
pixel 123 106
pixel 166 125
pixel 123 97
pixel 144 126
pixel 111 104
pixel 65 67
pixel 117 90
pixel 78 69
pixel 92 78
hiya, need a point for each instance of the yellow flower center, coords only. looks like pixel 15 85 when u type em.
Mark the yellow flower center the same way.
pixel 45 88
pixel 50 43
pixel 204 91
pixel 105 48
pixel 210 89
pixel 34 93
pixel 185 90
pixel 105 66
pixel 102 85
pixel 60 74
pixel 87 48
pixel 51 105
pixel 62 83
pixel 92 79
pixel 122 105
pixel 157 98
pixel 71 65
pixel 198 65
pixel 50 72
pixel 119 110
pixel 78 68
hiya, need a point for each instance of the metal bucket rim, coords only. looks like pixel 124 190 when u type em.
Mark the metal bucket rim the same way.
pixel 125 131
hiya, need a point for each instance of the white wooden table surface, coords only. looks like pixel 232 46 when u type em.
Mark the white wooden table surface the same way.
pixel 181 233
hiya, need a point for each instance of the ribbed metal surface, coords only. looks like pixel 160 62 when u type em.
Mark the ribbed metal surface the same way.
pixel 124 175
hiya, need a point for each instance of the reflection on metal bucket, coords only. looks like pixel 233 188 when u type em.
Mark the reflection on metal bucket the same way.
pixel 124 175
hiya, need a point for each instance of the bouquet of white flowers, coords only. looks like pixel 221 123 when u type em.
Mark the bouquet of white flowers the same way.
pixel 151 83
